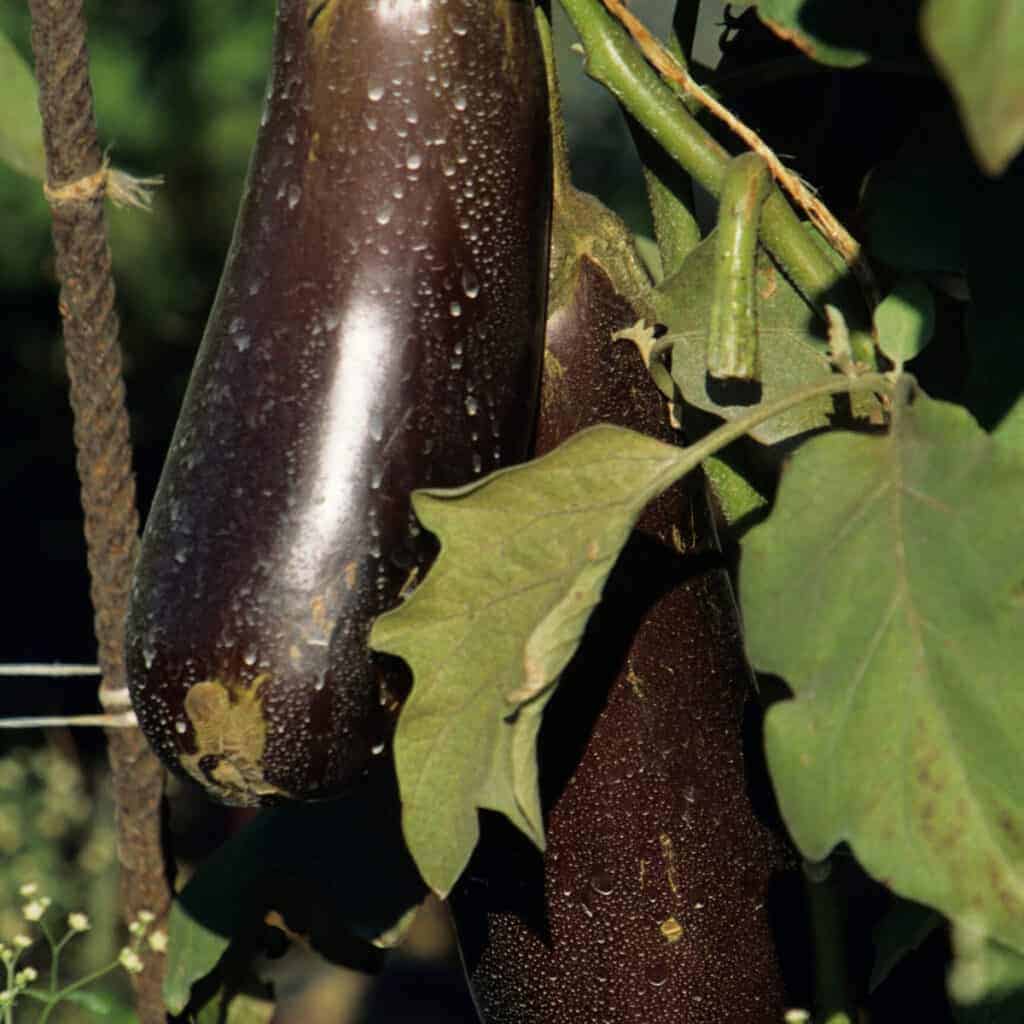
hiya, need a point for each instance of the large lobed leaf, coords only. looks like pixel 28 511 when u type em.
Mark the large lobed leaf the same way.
pixel 885 588
pixel 979 48
pixel 524 557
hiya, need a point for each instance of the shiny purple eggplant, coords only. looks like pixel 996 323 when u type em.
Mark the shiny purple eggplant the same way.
pixel 378 328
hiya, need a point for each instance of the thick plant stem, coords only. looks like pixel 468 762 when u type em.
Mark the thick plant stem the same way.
pixel 613 60
pixel 732 341
pixel 669 187
pixel 75 187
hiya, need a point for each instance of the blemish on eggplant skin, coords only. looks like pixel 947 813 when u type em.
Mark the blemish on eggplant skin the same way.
pixel 668 855
pixel 671 929
pixel 230 737
pixel 351 575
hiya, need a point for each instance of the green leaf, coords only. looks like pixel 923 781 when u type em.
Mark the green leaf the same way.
pixel 885 588
pixel 524 556
pixel 842 34
pixel 979 48
pixel 905 320
pixel 336 872
pixel 790 343
pixel 917 206
pixel 99 1003
pixel 21 130
pixel 995 324
pixel 903 928
pixel 236 1008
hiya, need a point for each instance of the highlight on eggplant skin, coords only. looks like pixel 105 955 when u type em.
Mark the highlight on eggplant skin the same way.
pixel 378 328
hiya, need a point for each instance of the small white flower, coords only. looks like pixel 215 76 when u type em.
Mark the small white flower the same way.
pixel 33 911
pixel 158 942
pixel 6 997
pixel 25 977
pixel 78 922
pixel 130 961
pixel 147 916
pixel 28 889
pixel 136 928
pixel 21 941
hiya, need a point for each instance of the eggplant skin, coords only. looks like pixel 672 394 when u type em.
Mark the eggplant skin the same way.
pixel 378 328
pixel 650 905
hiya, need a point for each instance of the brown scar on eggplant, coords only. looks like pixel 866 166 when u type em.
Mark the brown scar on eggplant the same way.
pixel 668 855
pixel 230 738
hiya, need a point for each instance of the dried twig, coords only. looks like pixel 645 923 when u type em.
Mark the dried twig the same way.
pixel 663 61
pixel 76 182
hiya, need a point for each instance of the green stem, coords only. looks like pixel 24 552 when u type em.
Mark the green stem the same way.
pixel 9 1008
pixel 831 982
pixel 732 333
pixel 55 959
pixel 669 187
pixel 58 997
pixel 724 435
pixel 613 60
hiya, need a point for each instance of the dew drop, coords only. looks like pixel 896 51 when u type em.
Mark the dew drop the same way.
pixel 375 93
pixel 657 975
pixel 472 405
pixel 602 882
pixel 242 342
pixel 180 727
pixel 478 463
pixel 455 309
pixel 371 122
pixel 459 102
pixel 384 212
pixel 376 426
pixel 458 26
pixel 249 657
pixel 376 749
pixel 414 160
pixel 376 476
pixel 470 283
pixel 294 195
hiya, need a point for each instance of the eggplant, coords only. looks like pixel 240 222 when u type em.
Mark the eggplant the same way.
pixel 651 902
pixel 378 327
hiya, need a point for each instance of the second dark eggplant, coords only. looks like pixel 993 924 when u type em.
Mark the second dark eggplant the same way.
pixel 378 328
pixel 651 902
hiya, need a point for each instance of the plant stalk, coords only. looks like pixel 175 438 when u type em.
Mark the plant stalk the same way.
pixel 76 186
